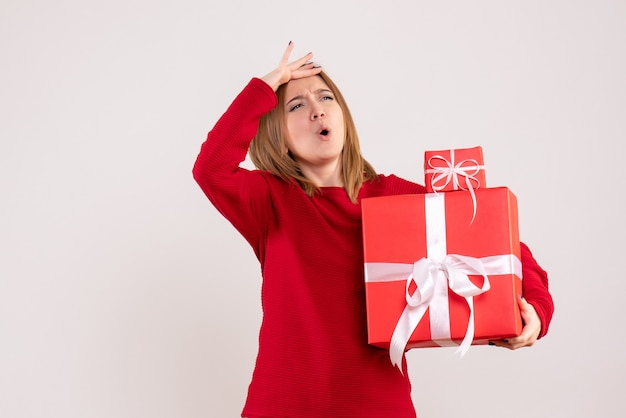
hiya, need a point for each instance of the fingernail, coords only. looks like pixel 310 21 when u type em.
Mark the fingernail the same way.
pixel 505 340
pixel 289 42
pixel 492 343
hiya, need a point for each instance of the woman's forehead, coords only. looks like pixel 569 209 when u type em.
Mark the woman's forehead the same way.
pixel 304 85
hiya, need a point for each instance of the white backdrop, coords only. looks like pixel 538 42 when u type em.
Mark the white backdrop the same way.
pixel 124 294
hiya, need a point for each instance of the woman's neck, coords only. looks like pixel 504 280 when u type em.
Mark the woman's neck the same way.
pixel 330 175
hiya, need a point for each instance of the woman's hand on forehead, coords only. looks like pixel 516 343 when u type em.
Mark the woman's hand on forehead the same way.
pixel 285 71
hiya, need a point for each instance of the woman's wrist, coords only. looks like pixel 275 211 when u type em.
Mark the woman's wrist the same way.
pixel 272 80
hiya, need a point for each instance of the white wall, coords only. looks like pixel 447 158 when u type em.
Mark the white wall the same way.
pixel 124 294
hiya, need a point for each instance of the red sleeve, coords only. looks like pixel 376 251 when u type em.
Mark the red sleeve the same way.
pixel 535 288
pixel 240 195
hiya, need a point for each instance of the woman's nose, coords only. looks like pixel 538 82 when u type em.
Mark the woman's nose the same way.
pixel 317 113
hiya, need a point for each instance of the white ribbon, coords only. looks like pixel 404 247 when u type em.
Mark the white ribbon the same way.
pixel 453 272
pixel 433 275
pixel 450 172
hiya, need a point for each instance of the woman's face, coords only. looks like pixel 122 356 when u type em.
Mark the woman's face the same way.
pixel 315 127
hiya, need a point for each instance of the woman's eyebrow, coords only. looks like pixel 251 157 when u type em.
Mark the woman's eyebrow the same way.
pixel 300 96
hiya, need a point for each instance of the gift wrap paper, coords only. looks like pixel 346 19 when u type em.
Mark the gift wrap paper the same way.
pixel 439 231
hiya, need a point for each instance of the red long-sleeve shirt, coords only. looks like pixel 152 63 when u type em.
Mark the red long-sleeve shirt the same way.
pixel 313 359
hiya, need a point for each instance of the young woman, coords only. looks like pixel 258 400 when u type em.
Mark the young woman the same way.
pixel 300 212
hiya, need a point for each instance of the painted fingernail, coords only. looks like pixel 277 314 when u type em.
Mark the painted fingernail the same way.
pixel 289 42
pixel 492 343
pixel 505 340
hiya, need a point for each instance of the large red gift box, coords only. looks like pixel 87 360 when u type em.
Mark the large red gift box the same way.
pixel 421 250
pixel 454 169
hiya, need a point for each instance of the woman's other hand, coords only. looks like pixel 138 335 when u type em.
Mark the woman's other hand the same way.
pixel 530 332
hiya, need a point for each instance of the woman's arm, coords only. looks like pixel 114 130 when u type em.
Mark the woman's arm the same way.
pixel 242 196
pixel 536 305
pixel 238 194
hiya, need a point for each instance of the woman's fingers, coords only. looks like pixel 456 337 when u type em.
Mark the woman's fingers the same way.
pixel 530 332
pixel 285 58
pixel 285 71
pixel 301 62
pixel 306 70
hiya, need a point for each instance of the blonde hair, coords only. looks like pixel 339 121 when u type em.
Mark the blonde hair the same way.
pixel 267 150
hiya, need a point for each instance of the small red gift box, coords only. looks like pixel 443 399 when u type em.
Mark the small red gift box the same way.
pixel 435 277
pixel 454 169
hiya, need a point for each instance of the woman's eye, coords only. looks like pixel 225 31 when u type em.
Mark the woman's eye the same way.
pixel 328 98
pixel 294 107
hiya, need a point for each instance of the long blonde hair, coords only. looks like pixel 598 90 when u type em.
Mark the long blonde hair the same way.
pixel 267 150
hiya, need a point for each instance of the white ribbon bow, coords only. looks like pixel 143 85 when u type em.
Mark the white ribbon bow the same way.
pixel 450 172
pixel 431 278
pixel 453 269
